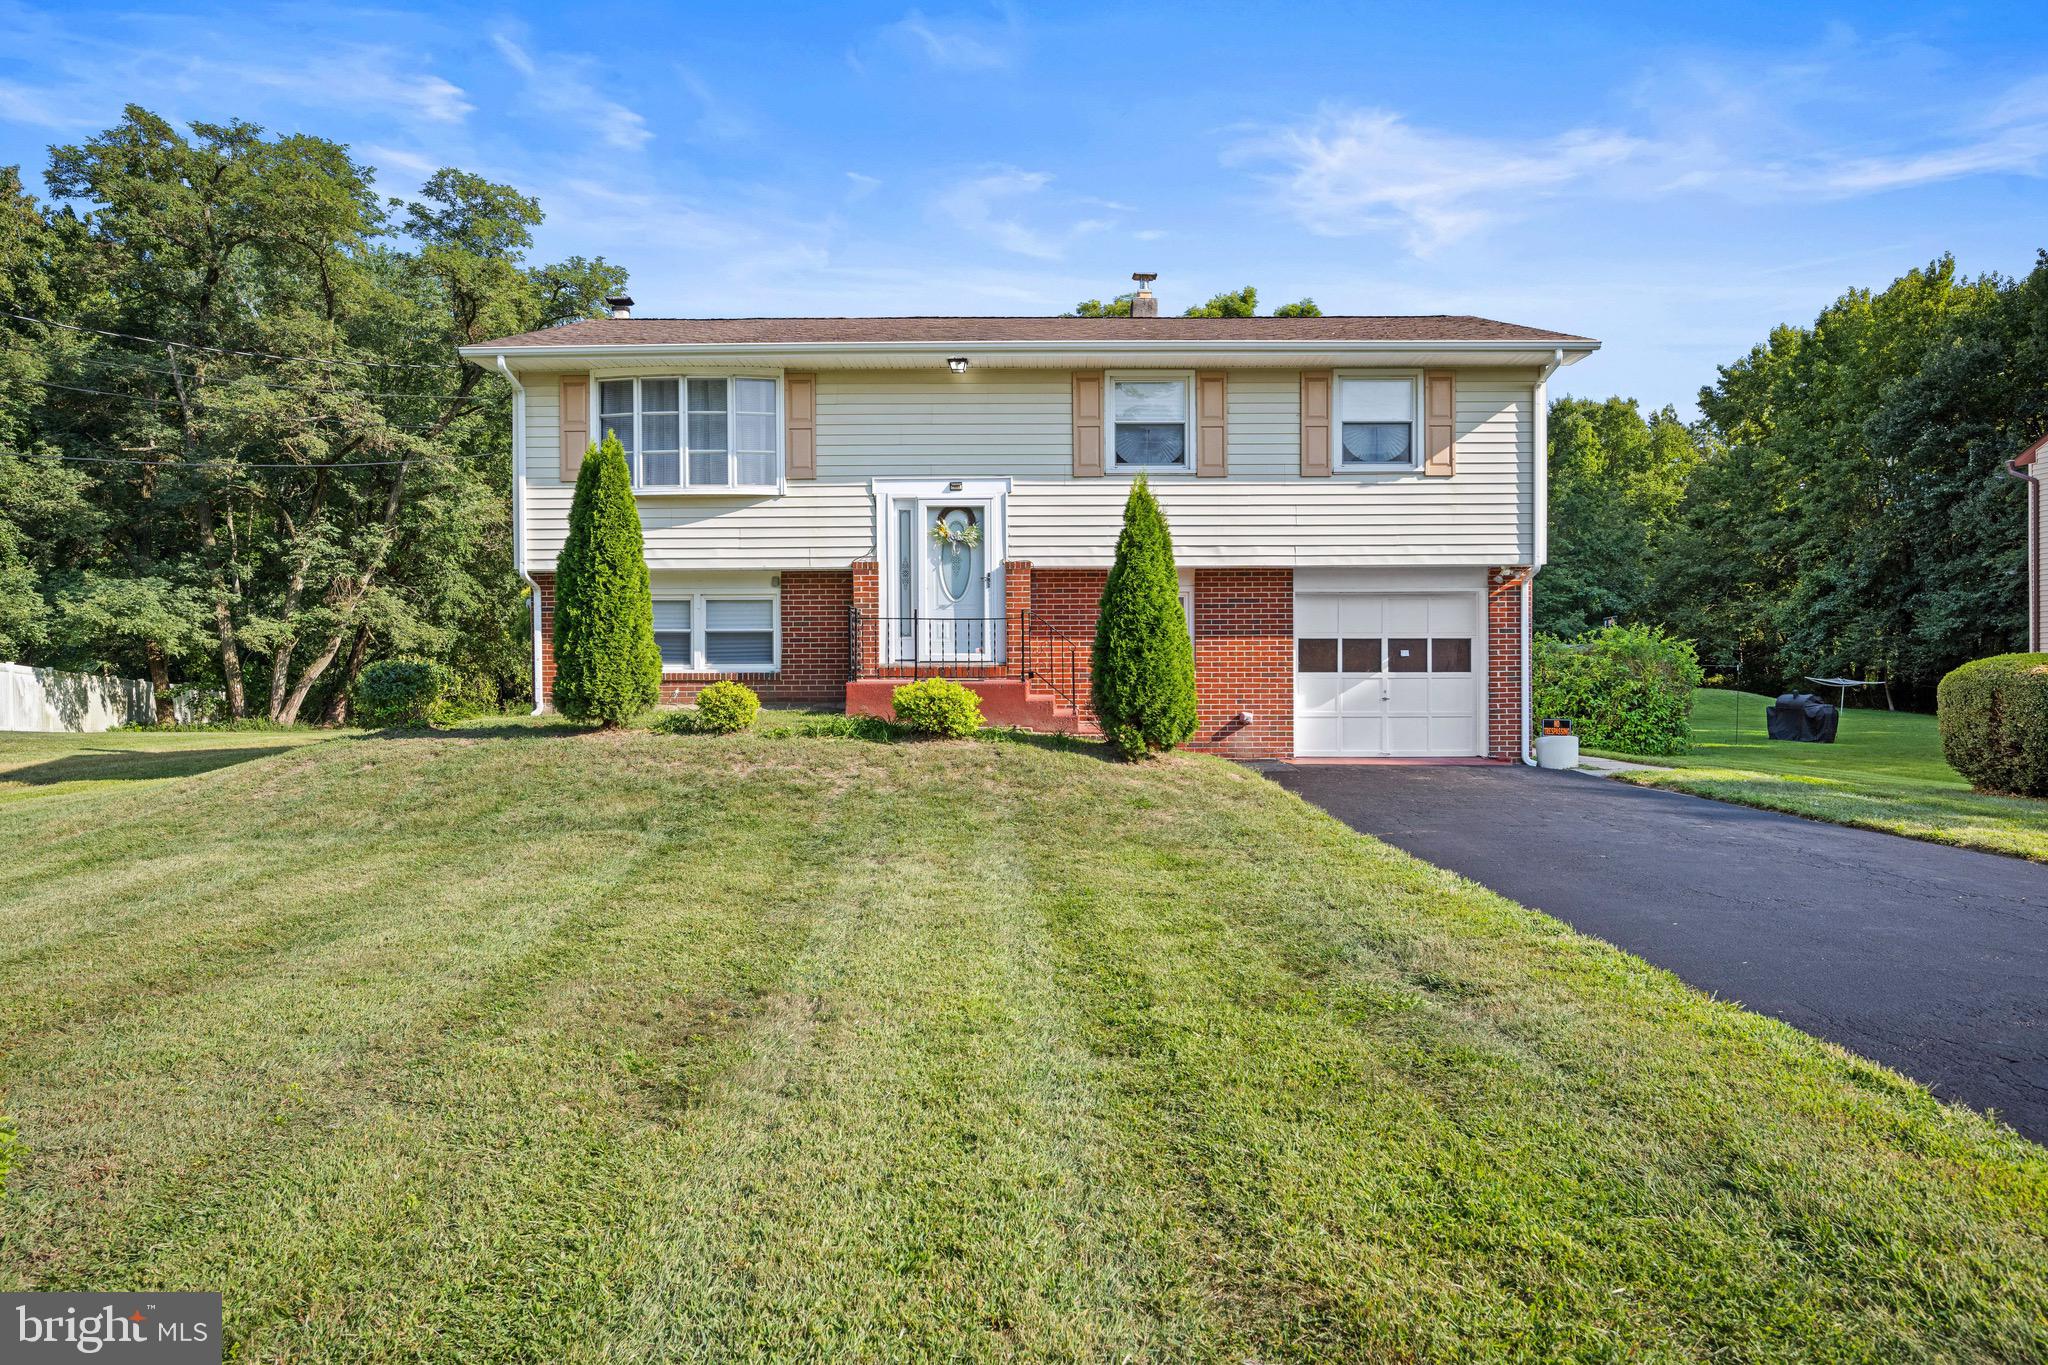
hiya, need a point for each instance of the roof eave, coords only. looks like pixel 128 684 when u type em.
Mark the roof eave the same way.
pixel 1572 350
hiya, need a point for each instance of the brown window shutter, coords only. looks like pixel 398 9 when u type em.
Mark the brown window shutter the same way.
pixel 1088 425
pixel 1212 419
pixel 1316 389
pixel 575 423
pixel 800 432
pixel 1440 422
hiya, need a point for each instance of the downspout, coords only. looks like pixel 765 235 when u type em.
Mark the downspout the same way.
pixel 2013 469
pixel 519 516
pixel 1540 534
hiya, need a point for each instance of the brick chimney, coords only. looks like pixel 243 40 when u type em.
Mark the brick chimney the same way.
pixel 1143 304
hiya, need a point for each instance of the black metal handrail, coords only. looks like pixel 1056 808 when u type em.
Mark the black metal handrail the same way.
pixel 1047 654
pixel 926 644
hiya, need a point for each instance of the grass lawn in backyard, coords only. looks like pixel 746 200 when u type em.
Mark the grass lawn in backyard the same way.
pixel 516 1044
pixel 1884 771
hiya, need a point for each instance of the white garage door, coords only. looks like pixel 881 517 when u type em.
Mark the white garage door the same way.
pixel 1386 674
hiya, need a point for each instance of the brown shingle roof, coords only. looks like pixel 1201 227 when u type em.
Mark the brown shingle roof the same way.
pixel 854 331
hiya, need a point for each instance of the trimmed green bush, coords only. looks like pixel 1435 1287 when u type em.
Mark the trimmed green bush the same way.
pixel 832 725
pixel 1993 715
pixel 400 692
pixel 1144 662
pixel 723 708
pixel 1627 688
pixel 607 667
pixel 938 706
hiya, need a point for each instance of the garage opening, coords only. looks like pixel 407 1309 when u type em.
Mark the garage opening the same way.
pixel 1385 675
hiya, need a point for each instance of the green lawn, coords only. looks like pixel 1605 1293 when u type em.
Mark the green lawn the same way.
pixel 525 1045
pixel 1884 771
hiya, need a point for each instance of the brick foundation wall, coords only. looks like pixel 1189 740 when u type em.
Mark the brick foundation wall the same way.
pixel 1506 729
pixel 815 604
pixel 1244 661
pixel 1244 648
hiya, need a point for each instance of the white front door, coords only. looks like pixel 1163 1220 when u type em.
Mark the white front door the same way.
pixel 1382 674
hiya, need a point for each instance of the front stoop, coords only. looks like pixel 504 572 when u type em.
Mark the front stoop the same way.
pixel 1004 701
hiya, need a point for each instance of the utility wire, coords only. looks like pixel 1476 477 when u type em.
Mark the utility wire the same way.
pixel 104 362
pixel 224 350
pixel 224 460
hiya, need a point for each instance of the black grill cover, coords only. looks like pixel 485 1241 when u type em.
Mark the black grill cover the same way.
pixel 1802 716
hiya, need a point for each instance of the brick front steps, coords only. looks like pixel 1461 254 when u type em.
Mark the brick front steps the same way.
pixel 1004 701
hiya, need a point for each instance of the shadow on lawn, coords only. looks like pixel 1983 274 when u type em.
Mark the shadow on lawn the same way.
pixel 129 765
pixel 483 730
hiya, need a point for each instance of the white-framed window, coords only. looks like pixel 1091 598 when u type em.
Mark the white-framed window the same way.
pixel 1381 416
pixel 695 433
pixel 1151 421
pixel 718 632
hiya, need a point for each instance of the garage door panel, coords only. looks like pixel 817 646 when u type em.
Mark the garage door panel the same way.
pixel 1362 734
pixel 1450 734
pixel 1451 616
pixel 1362 616
pixel 1318 735
pixel 1317 691
pixel 1361 695
pixel 1408 694
pixel 1407 615
pixel 1448 696
pixel 1316 615
pixel 1408 734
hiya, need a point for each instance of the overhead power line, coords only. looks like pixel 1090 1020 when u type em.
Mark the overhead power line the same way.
pixel 214 381
pixel 177 463
pixel 224 350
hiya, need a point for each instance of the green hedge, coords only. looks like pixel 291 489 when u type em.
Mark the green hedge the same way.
pixel 607 667
pixel 399 692
pixel 1627 688
pixel 1994 723
pixel 938 706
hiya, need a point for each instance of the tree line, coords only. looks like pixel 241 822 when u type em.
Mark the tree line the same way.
pixel 237 447
pixel 1841 505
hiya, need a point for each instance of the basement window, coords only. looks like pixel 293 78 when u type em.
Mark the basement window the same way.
pixel 718 632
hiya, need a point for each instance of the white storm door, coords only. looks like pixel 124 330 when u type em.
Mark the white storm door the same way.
pixel 954 619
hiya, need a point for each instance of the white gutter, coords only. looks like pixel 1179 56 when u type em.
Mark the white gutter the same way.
pixel 519 515
pixel 941 350
pixel 1540 533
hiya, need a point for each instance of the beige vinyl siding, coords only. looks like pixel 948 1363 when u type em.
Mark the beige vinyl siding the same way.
pixel 1018 423
pixel 983 424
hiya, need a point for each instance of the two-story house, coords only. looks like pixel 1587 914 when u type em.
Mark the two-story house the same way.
pixel 831 504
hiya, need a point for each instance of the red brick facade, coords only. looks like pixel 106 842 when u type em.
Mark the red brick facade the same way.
pixel 815 606
pixel 1506 730
pixel 1244 648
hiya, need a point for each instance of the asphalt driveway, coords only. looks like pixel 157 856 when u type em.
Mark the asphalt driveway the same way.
pixel 1929 959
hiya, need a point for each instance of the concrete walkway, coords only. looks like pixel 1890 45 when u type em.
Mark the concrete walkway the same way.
pixel 1929 959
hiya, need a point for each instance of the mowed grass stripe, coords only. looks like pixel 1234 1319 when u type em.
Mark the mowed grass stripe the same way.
pixel 634 1047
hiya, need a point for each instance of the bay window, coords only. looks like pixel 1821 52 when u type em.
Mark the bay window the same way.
pixel 1151 415
pixel 1380 421
pixel 695 434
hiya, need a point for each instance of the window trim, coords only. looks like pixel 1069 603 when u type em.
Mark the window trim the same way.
pixel 1338 464
pixel 1186 379
pixel 698 627
pixel 778 486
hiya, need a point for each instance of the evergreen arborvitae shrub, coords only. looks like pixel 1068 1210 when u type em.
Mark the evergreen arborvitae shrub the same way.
pixel 1144 663
pixel 1994 723
pixel 607 666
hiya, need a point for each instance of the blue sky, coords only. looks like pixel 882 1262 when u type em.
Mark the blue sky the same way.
pixel 1673 183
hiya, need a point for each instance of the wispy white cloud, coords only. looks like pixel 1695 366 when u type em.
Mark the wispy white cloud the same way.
pixel 991 206
pixel 1353 171
pixel 564 90
pixel 860 186
pixel 959 43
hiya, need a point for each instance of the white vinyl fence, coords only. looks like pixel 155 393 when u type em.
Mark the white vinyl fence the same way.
pixel 44 699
